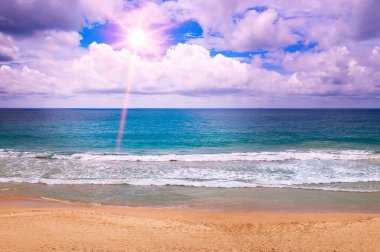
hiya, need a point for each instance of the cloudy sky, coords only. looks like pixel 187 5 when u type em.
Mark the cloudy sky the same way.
pixel 196 53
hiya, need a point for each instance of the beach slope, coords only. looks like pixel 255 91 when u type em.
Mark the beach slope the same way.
pixel 54 227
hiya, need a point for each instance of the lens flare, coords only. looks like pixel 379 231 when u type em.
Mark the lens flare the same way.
pixel 124 110
pixel 142 39
pixel 138 39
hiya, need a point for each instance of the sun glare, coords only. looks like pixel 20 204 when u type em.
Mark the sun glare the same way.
pixel 144 42
pixel 138 39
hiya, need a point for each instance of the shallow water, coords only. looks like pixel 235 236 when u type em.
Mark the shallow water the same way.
pixel 230 199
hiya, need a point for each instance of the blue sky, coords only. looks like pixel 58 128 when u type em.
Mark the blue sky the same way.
pixel 184 32
pixel 190 53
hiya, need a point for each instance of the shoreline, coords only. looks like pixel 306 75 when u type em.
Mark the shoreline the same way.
pixel 200 198
pixel 43 225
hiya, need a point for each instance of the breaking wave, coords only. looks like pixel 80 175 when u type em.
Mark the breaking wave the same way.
pixel 217 157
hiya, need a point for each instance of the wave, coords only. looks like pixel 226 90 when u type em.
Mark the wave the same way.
pixel 309 169
pixel 331 185
pixel 217 157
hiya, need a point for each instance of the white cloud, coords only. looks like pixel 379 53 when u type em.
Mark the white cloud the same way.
pixel 185 69
pixel 99 11
pixel 283 21
pixel 253 31
pixel 230 25
pixel 190 70
pixel 260 30
pixel 335 72
pixel 8 50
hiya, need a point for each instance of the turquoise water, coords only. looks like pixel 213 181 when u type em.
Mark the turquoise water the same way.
pixel 318 149
pixel 188 130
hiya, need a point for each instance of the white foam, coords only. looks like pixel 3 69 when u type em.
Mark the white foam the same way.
pixel 325 185
pixel 248 156
pixel 266 169
pixel 219 157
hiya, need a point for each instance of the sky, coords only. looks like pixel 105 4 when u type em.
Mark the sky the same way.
pixel 194 53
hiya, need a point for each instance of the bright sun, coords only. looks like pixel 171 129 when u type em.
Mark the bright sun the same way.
pixel 138 39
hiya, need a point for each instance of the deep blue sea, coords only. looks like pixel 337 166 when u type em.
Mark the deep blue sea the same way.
pixel 329 149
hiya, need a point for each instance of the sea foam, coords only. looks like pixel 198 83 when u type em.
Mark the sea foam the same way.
pixel 214 157
pixel 312 169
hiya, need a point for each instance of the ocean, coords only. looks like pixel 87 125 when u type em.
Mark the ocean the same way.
pixel 73 152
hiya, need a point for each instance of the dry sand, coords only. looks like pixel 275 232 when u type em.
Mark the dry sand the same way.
pixel 29 225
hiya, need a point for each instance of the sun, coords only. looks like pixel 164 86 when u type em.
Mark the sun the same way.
pixel 138 39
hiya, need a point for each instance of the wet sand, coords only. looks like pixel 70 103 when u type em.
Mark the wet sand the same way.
pixel 34 225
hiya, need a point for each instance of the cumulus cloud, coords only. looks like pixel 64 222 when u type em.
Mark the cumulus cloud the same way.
pixel 8 51
pixel 148 14
pixel 46 45
pixel 253 31
pixel 232 25
pixel 259 30
pixel 190 70
pixel 333 72
pixel 185 69
pixel 239 27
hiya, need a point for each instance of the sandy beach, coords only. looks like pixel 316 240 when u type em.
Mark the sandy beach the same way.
pixel 34 225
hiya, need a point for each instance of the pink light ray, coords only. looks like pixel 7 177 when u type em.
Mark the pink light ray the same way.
pixel 155 49
pixel 124 111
